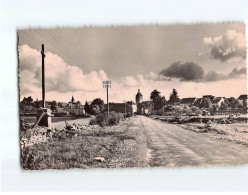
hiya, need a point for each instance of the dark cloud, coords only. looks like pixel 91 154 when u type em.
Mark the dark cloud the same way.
pixel 231 45
pixel 235 72
pixel 190 71
pixel 224 54
pixel 214 76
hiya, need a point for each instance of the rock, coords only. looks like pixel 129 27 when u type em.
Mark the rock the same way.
pixel 99 159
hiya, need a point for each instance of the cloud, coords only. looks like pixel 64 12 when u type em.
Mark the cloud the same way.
pixel 235 73
pixel 229 46
pixel 63 80
pixel 156 77
pixel 190 71
pixel 60 76
pixel 130 81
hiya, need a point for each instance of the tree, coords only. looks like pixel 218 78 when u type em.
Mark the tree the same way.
pixel 195 110
pixel 155 94
pixel 187 110
pixel 173 97
pixel 157 100
pixel 178 110
pixel 206 102
pixel 87 108
pixel 97 105
pixel 27 100
pixel 234 103
pixel 26 105
pixel 97 101
pixel 54 106
pixel 224 105
pixel 215 108
pixel 60 105
pixel 38 103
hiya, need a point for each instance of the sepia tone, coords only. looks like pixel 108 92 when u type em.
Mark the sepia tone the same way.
pixel 133 96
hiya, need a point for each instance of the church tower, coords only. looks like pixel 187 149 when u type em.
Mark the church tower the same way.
pixel 72 99
pixel 139 97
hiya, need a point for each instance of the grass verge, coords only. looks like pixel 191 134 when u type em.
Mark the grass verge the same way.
pixel 121 146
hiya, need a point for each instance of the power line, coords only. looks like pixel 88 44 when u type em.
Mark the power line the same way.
pixel 73 54
pixel 74 60
pixel 59 46
pixel 74 45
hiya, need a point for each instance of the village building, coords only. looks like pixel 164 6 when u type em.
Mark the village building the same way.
pixel 211 97
pixel 198 102
pixel 138 97
pixel 144 108
pixel 160 111
pixel 75 107
pixel 217 101
pixel 187 101
pixel 243 100
pixel 60 109
pixel 125 108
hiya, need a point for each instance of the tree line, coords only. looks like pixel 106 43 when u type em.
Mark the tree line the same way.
pixel 28 105
pixel 159 101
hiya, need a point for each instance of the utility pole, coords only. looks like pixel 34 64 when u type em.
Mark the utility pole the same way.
pixel 107 84
pixel 125 108
pixel 43 76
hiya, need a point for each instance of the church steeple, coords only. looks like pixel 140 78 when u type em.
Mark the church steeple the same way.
pixel 72 99
pixel 139 97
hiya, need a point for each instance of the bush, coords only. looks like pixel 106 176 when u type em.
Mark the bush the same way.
pixel 103 119
pixel 196 110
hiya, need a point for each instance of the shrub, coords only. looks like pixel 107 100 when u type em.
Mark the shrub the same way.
pixel 178 110
pixel 196 110
pixel 103 119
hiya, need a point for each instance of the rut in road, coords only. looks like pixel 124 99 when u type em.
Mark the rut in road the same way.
pixel 170 145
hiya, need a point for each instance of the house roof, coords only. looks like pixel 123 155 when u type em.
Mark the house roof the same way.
pixel 242 97
pixel 74 102
pixel 198 101
pixel 188 100
pixel 211 97
pixel 216 100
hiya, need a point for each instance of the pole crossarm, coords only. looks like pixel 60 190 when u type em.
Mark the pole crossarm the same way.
pixel 107 84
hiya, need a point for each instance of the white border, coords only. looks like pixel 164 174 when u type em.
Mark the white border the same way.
pixel 73 13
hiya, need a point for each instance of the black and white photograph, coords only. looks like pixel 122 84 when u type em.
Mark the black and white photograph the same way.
pixel 133 96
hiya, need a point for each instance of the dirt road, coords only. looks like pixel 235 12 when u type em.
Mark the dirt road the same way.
pixel 170 145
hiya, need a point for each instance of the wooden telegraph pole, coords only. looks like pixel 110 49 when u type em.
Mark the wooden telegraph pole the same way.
pixel 107 84
pixel 43 76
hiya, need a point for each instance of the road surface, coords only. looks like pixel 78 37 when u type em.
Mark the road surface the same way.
pixel 170 145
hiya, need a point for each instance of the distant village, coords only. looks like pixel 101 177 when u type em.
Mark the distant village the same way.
pixel 206 105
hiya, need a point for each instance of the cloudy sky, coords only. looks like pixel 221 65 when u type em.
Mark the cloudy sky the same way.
pixel 195 59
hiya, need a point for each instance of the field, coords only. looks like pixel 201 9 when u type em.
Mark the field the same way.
pixel 237 132
pixel 212 126
pixel 120 146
